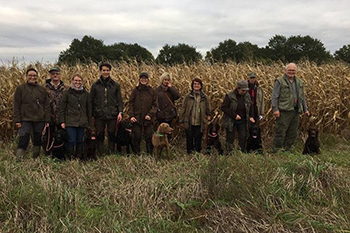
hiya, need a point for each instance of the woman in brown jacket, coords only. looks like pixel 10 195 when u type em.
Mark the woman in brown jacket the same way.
pixel 194 116
pixel 143 105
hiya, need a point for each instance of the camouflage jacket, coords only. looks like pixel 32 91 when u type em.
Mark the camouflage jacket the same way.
pixel 55 96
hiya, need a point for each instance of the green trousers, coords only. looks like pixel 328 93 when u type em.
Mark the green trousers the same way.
pixel 286 129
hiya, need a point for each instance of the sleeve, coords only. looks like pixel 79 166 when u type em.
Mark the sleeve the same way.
pixel 183 110
pixel 17 102
pixel 47 109
pixel 119 99
pixel 154 108
pixel 305 108
pixel 225 107
pixel 92 97
pixel 88 109
pixel 63 107
pixel 207 107
pixel 275 95
pixel 262 106
pixel 131 104
pixel 174 93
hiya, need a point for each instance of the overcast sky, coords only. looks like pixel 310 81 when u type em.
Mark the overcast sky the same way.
pixel 38 30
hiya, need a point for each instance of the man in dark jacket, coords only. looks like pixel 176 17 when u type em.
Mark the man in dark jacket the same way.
pixel 31 113
pixel 54 87
pixel 107 107
pixel 237 114
pixel 143 105
pixel 288 101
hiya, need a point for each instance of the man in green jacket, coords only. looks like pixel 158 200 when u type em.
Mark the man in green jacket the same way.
pixel 107 107
pixel 288 101
pixel 31 110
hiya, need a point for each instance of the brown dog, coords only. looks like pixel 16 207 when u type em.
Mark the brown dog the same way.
pixel 160 139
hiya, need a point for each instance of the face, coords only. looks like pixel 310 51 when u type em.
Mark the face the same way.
pixel 252 80
pixel 32 76
pixel 291 70
pixel 55 76
pixel 143 80
pixel 166 81
pixel 105 72
pixel 197 86
pixel 77 82
pixel 241 92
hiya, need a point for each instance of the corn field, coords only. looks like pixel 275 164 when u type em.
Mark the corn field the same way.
pixel 327 87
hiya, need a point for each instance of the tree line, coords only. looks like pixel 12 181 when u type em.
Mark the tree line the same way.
pixel 279 48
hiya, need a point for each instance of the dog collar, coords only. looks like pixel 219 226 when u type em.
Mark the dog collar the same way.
pixel 159 134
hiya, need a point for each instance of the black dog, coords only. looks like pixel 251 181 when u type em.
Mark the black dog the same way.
pixel 90 145
pixel 54 145
pixel 312 144
pixel 254 142
pixel 123 137
pixel 58 147
pixel 213 138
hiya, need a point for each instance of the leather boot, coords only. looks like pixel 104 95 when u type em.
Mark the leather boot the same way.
pixel 36 151
pixel 20 153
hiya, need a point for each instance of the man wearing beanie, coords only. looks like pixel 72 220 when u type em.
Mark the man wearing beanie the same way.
pixel 167 94
pixel 143 105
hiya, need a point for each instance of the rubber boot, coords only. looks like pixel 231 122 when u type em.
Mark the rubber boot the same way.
pixel 79 151
pixel 111 148
pixel 20 153
pixel 229 148
pixel 36 151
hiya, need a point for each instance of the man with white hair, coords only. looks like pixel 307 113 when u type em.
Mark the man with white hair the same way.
pixel 288 101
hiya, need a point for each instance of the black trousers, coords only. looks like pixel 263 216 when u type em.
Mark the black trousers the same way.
pixel 194 139
pixel 137 132
pixel 242 135
pixel 100 125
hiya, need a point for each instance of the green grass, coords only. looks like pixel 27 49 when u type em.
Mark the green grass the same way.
pixel 289 192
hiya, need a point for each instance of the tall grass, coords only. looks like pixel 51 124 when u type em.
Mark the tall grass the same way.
pixel 238 193
pixel 327 87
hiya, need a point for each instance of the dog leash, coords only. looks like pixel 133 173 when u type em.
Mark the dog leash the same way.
pixel 49 147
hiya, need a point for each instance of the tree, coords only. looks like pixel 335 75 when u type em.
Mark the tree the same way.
pixel 296 48
pixel 229 50
pixel 177 54
pixel 86 50
pixel 343 53
pixel 226 51
pixel 91 49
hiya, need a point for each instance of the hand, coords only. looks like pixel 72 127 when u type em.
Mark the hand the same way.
pixel 238 117
pixel 208 118
pixel 169 84
pixel 148 118
pixel 260 117
pixel 133 120
pixel 182 125
pixel 18 125
pixel 307 113
pixel 119 118
pixel 63 125
pixel 251 119
pixel 276 113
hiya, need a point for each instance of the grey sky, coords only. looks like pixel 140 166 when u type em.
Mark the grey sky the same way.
pixel 39 30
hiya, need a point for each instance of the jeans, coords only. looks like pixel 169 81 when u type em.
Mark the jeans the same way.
pixel 75 136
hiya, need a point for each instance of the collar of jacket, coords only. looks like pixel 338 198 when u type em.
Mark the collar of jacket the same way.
pixel 109 81
pixel 49 84
pixel 201 94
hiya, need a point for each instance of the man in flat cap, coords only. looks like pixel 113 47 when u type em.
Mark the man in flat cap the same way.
pixel 237 114
pixel 54 87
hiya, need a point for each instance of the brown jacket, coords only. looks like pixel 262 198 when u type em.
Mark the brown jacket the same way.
pixel 143 101
pixel 166 107
pixel 187 106
pixel 31 103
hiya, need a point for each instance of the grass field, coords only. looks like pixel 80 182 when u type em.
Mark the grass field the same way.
pixel 289 192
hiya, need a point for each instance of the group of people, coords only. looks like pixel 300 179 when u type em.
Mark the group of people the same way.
pixel 58 106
